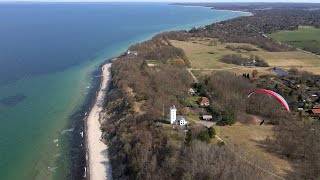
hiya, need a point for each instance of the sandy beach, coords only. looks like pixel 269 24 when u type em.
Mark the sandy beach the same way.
pixel 98 162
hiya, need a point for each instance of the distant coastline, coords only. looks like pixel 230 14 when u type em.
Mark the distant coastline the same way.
pixel 207 7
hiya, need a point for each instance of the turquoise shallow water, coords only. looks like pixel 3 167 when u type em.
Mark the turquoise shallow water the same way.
pixel 48 54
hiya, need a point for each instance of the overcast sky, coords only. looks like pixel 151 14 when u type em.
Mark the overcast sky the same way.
pixel 314 1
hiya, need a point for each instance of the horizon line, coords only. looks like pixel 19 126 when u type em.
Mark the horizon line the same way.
pixel 148 1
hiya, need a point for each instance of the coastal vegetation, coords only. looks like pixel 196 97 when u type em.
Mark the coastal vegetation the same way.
pixel 143 145
pixel 138 147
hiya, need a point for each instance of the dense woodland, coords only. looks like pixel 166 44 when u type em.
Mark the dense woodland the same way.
pixel 139 149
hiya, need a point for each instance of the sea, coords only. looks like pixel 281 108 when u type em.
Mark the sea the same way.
pixel 50 58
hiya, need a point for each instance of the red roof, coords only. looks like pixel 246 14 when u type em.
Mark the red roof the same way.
pixel 315 111
pixel 317 106
pixel 203 100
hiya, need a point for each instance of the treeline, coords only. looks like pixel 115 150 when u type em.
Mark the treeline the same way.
pixel 241 47
pixel 238 59
pixel 159 48
pixel 298 139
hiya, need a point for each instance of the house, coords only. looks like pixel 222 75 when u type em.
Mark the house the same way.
pixel 192 91
pixel 315 112
pixel 131 53
pixel 181 121
pixel 316 106
pixel 301 104
pixel 204 101
pixel 207 117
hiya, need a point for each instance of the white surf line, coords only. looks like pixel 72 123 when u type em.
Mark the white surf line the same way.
pixel 98 162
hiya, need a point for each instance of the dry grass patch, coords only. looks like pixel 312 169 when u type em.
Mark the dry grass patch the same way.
pixel 248 137
pixel 203 56
pixel 292 58
pixel 199 54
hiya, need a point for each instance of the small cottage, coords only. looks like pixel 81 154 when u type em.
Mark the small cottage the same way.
pixel 316 106
pixel 181 121
pixel 315 112
pixel 207 117
pixel 204 101
pixel 192 91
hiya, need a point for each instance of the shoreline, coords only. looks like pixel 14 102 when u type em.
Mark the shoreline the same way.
pixel 212 8
pixel 96 150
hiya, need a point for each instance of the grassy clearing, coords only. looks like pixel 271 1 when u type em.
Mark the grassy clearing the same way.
pixel 262 71
pixel 304 37
pixel 198 52
pixel 249 137
pixel 292 58
pixel 193 117
pixel 193 100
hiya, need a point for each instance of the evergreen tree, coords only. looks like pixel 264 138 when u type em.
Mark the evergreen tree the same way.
pixel 204 136
pixel 212 132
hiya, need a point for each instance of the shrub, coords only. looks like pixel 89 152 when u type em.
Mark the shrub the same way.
pixel 212 132
pixel 204 136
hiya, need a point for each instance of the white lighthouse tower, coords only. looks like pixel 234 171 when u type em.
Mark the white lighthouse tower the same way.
pixel 173 114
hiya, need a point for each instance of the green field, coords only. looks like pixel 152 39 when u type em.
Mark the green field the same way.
pixel 193 100
pixel 306 38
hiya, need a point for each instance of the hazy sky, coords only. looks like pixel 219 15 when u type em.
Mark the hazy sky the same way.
pixel 314 1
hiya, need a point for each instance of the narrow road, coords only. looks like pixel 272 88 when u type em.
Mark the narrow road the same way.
pixel 194 77
pixel 219 69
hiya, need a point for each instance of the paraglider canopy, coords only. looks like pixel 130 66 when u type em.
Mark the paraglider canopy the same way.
pixel 274 94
